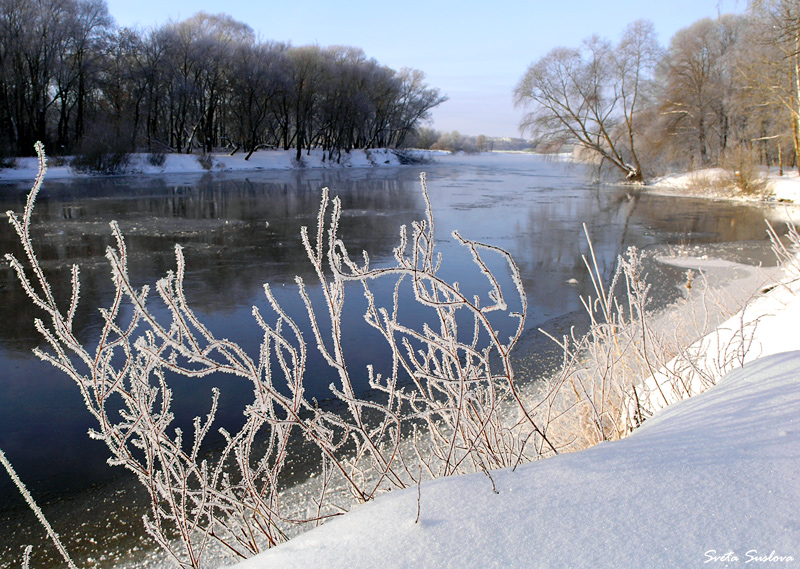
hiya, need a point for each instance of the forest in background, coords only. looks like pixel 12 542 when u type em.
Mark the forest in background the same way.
pixel 72 79
pixel 723 92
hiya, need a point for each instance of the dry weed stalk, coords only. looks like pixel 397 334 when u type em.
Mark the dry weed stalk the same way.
pixel 626 367
pixel 787 256
pixel 696 365
pixel 597 394
pixel 448 391
pixel 450 403
pixel 39 515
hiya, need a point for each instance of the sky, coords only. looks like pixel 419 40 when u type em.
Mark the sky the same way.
pixel 475 52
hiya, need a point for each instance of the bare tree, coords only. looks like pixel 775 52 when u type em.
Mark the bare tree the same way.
pixel 698 89
pixel 66 75
pixel 254 82
pixel 591 96
pixel 770 69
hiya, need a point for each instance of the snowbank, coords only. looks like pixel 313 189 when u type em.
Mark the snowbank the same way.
pixel 26 168
pixel 785 189
pixel 709 481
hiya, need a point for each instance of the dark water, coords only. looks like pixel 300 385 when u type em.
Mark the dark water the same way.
pixel 240 231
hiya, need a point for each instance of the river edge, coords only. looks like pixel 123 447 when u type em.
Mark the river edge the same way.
pixel 25 169
pixel 95 500
pixel 111 510
pixel 705 183
pixel 715 184
pixel 711 478
pixel 728 286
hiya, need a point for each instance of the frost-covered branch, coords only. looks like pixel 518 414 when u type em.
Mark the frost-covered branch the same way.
pixel 449 403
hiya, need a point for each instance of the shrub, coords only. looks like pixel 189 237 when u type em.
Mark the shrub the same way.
pixel 455 142
pixel 206 161
pixel 743 171
pixel 632 363
pixel 102 153
pixel 7 160
pixel 422 137
pixel 156 158
pixel 449 403
pixel 711 182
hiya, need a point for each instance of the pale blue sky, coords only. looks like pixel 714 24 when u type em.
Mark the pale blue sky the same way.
pixel 474 51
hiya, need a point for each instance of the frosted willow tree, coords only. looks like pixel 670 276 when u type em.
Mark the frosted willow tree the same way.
pixel 591 96
pixel 448 404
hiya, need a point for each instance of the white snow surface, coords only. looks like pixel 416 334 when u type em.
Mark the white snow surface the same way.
pixel 711 481
pixel 26 168
pixel 784 189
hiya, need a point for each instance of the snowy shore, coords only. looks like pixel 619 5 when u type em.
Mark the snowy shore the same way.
pixel 709 481
pixel 26 168
pixel 706 183
pixel 779 189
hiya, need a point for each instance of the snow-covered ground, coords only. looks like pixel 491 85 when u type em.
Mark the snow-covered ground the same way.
pixel 709 481
pixel 785 189
pixel 26 168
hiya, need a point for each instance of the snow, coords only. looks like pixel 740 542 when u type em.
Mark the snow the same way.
pixel 682 180
pixel 711 480
pixel 26 168
pixel 779 188
pixel 785 188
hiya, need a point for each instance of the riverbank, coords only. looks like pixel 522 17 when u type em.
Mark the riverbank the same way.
pixel 26 168
pixel 728 454
pixel 711 183
pixel 711 479
pixel 470 199
pixel 707 183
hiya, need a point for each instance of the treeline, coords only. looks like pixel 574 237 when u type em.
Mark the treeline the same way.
pixel 71 78
pixel 428 138
pixel 723 92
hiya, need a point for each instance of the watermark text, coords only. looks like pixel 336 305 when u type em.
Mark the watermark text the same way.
pixel 750 556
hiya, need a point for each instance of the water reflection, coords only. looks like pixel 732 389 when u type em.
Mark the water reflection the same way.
pixel 237 234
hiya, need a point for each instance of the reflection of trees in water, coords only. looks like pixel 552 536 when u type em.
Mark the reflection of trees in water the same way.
pixel 550 244
pixel 690 221
pixel 237 234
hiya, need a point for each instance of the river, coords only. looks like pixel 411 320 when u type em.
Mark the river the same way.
pixel 242 230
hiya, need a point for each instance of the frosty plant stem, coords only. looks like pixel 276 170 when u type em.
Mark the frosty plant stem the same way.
pixel 36 510
pixel 449 403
